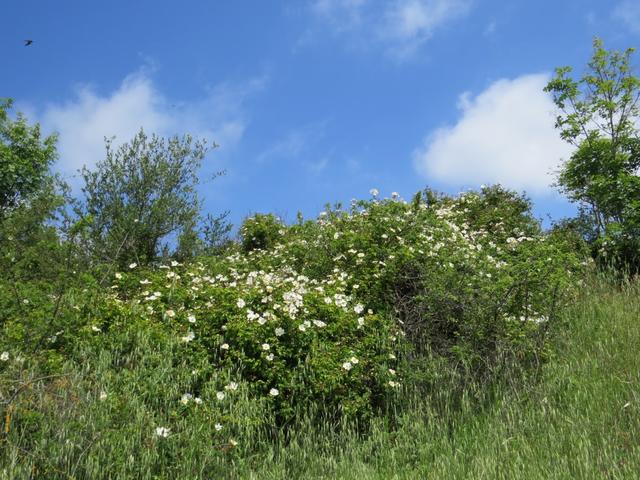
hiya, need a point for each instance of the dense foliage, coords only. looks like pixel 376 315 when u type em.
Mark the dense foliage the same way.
pixel 599 116
pixel 142 192
pixel 337 315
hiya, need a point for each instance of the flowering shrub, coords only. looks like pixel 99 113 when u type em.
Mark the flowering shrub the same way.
pixel 335 313
pixel 260 232
pixel 295 340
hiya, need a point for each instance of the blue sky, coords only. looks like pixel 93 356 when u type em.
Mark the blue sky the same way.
pixel 313 101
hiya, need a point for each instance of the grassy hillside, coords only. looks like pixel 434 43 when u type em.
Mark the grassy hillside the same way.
pixel 441 338
pixel 580 420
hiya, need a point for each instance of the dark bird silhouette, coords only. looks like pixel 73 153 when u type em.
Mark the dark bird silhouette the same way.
pixel 28 42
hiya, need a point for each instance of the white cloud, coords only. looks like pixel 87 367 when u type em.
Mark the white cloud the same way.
pixel 84 122
pixel 399 26
pixel 505 135
pixel 628 11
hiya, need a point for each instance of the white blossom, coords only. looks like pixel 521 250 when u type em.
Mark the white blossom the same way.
pixel 188 337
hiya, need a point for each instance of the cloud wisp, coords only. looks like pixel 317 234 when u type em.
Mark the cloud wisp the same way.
pixel 505 134
pixel 628 12
pixel 299 145
pixel 400 27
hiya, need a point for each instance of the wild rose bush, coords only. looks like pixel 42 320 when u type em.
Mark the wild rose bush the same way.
pixel 467 278
pixel 296 340
pixel 334 313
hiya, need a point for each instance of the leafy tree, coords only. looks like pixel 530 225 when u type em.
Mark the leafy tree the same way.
pixel 25 158
pixel 31 200
pixel 140 195
pixel 599 115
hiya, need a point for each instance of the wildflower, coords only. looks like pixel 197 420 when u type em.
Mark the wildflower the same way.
pixel 231 386
pixel 392 356
pixel 185 398
pixel 224 346
pixel 240 303
pixel 274 392
pixel 393 384
pixel 302 327
pixel 266 346
pixel 162 432
pixel 5 356
pixel 392 371
pixel 347 366
pixel 188 337
pixel 174 263
pixel 360 322
pixel 394 195
pixel 319 323
pixel 118 276
pixel 358 308
pixel 354 360
pixel 95 329
pixel 262 321
pixel 170 313
pixel 133 265
pixel 374 192
pixel 279 332
pixel 232 442
pixel 218 427
pixel 220 395
pixel 145 282
pixel 270 357
pixel 102 396
pixel 191 318
pixel 197 401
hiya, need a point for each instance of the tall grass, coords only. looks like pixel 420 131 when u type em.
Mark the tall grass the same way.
pixel 580 419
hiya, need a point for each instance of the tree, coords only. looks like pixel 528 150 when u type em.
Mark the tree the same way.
pixel 32 201
pixel 25 159
pixel 141 194
pixel 599 115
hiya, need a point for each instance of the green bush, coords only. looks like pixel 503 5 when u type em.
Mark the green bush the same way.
pixel 336 315
pixel 260 232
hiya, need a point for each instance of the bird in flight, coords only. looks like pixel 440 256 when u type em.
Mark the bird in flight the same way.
pixel 28 42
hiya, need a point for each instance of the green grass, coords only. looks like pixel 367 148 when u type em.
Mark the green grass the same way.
pixel 581 419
